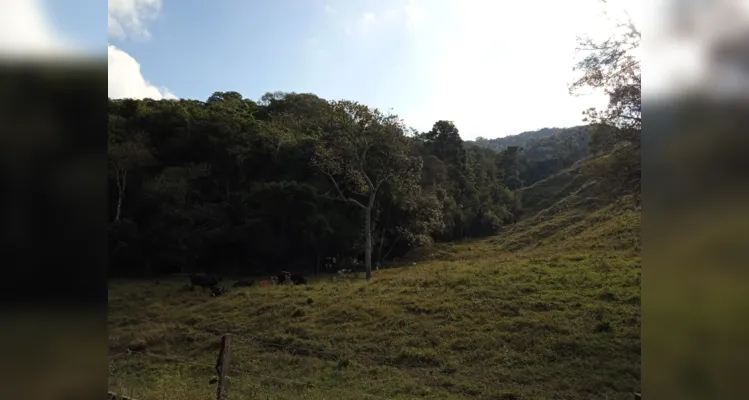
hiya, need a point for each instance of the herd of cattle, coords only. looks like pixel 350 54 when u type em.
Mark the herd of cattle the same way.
pixel 211 281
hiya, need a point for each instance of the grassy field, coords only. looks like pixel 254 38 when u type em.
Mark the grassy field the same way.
pixel 550 309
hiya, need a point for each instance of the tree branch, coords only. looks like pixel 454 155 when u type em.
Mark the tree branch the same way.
pixel 391 247
pixel 341 196
pixel 373 195
pixel 630 117
pixel 369 181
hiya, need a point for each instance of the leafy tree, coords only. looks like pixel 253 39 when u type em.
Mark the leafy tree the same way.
pixel 445 143
pixel 508 161
pixel 125 155
pixel 613 66
pixel 360 151
pixel 229 183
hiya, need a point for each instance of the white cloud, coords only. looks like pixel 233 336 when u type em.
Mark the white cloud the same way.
pixel 128 18
pixel 25 31
pixel 126 80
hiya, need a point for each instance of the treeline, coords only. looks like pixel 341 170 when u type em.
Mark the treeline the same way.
pixel 545 152
pixel 292 181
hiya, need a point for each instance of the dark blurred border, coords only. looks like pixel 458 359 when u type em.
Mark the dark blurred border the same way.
pixel 53 166
pixel 696 248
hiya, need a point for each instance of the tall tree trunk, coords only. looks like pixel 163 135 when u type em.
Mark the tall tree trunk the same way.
pixel 121 185
pixel 382 237
pixel 368 242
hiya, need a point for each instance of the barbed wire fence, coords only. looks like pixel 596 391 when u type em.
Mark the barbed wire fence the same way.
pixel 234 372
pixel 223 384
pixel 325 355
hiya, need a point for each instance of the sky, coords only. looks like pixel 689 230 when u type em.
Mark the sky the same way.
pixel 492 67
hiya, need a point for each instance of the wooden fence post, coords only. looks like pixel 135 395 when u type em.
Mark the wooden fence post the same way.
pixel 222 367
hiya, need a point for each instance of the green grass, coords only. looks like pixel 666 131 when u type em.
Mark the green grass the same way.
pixel 545 193
pixel 550 309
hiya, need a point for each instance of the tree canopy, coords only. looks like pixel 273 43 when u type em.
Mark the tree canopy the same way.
pixel 612 65
pixel 290 182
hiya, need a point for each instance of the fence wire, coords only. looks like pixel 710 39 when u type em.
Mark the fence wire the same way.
pixel 240 372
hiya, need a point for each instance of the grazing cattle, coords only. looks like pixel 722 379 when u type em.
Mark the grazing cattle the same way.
pixel 298 279
pixel 288 278
pixel 204 280
pixel 244 284
pixel 284 277
pixel 217 291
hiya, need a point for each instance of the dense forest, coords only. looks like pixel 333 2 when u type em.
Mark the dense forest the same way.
pixel 302 183
pixel 297 182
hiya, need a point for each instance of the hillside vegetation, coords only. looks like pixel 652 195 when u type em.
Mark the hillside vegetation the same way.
pixel 488 273
pixel 543 153
pixel 294 180
pixel 549 309
pixel 546 304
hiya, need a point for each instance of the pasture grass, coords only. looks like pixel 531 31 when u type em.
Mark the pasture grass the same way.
pixel 549 309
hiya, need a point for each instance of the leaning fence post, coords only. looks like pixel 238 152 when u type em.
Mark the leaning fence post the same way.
pixel 222 367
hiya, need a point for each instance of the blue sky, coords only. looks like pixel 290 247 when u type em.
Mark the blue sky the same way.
pixel 257 46
pixel 80 20
pixel 494 69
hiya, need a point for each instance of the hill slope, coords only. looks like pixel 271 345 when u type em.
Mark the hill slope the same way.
pixel 549 309
pixel 523 138
pixel 544 152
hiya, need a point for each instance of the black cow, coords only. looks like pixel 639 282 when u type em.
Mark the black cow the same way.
pixel 298 279
pixel 285 277
pixel 244 284
pixel 204 280
pixel 217 291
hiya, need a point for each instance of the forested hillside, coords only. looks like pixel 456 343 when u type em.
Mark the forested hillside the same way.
pixel 545 305
pixel 518 140
pixel 303 183
pixel 231 184
pixel 543 153
pixel 292 181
